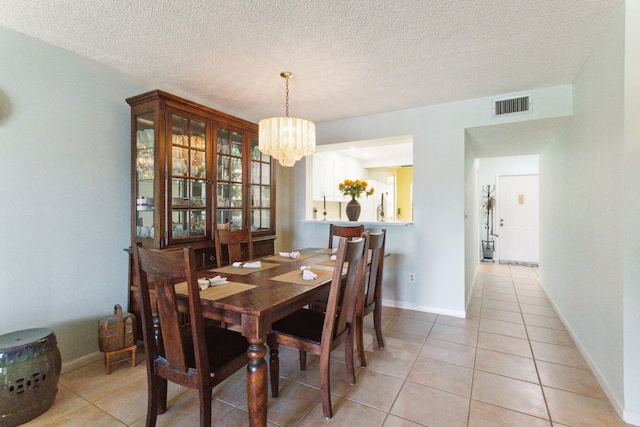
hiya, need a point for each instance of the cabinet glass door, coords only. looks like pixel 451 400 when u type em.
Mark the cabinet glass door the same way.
pixel 145 175
pixel 229 179
pixel 188 178
pixel 260 188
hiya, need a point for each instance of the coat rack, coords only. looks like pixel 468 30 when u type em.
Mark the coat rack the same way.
pixel 488 245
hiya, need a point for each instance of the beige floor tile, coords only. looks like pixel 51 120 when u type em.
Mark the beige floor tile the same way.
pixel 184 411
pixel 446 351
pixel 454 334
pixel 501 305
pixel 567 378
pixel 500 296
pixel 537 309
pixel 88 415
pixel 393 421
pixel 432 407
pixel 551 336
pixel 384 321
pixel 407 325
pixel 517 395
pixel 475 300
pixel 530 292
pixel 473 311
pixel 130 403
pixel 294 401
pixel 92 383
pixel 470 322
pixel 65 403
pixel 508 365
pixel 499 288
pixel 503 315
pixel 500 327
pixel 529 284
pixel 541 301
pixel 390 311
pixel 371 389
pixel 578 410
pixel 562 355
pixel 443 376
pixel 345 413
pixel 417 315
pixel 486 415
pixel 236 418
pixel 543 321
pixel 391 362
pixel 233 390
pixel 397 341
pixel 504 344
pixel 311 376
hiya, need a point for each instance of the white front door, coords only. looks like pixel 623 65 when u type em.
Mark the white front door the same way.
pixel 517 218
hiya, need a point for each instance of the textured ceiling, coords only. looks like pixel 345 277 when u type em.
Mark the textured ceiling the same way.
pixel 350 58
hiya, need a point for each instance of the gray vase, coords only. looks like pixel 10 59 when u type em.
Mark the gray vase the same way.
pixel 353 209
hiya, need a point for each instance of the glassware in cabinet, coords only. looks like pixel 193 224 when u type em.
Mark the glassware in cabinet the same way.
pixel 260 188
pixel 144 175
pixel 188 190
pixel 229 179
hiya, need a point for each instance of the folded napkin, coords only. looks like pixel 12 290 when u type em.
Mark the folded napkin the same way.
pixel 334 257
pixel 254 264
pixel 294 254
pixel 308 274
pixel 204 283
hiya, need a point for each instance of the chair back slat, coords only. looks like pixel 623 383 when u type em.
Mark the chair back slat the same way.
pixel 344 296
pixel 233 240
pixel 164 269
pixel 374 281
pixel 349 231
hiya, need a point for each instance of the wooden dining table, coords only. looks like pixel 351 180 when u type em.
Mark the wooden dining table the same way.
pixel 258 298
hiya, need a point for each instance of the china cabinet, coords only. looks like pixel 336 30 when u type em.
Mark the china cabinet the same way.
pixel 194 168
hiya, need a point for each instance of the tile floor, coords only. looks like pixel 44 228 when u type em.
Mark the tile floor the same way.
pixel 510 363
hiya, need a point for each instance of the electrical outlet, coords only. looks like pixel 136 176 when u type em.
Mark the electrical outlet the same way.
pixel 412 277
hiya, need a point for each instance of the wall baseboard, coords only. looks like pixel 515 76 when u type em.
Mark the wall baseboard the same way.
pixel 631 417
pixel 81 362
pixel 409 306
pixel 618 406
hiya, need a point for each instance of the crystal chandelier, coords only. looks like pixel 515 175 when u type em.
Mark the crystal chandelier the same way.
pixel 287 139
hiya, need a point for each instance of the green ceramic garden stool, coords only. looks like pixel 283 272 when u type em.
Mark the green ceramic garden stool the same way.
pixel 29 371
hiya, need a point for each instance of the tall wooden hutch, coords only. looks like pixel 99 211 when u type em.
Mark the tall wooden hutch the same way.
pixel 193 169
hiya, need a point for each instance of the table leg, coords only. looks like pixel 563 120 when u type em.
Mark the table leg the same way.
pixel 257 383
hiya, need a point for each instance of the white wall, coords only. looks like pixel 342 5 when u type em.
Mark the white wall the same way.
pixel 582 213
pixel 490 167
pixel 65 190
pixel 631 289
pixel 472 201
pixel 64 168
pixel 434 246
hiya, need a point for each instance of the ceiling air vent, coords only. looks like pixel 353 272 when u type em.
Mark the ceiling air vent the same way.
pixel 520 104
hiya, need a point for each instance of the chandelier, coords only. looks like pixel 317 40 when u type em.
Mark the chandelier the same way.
pixel 287 139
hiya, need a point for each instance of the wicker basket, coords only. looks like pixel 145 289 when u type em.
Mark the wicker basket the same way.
pixel 118 331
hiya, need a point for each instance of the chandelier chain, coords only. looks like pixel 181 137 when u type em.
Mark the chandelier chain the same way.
pixel 287 103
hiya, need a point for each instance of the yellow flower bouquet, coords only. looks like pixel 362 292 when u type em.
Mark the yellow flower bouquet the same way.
pixel 354 188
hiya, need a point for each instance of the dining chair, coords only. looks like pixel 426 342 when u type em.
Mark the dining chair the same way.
pixel 319 333
pixel 198 355
pixel 372 294
pixel 233 240
pixel 349 231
